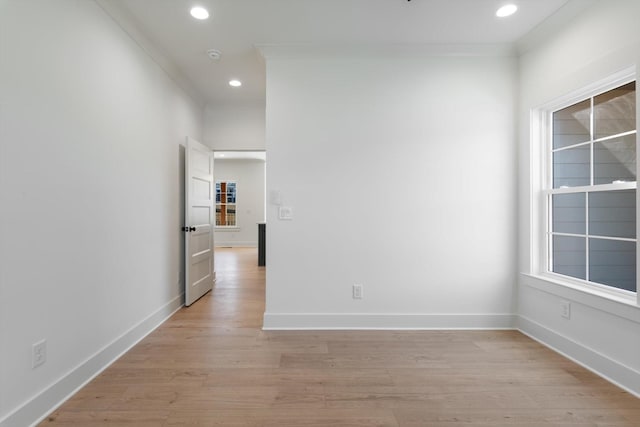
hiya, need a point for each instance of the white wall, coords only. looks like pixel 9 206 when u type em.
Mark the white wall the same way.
pixel 601 334
pixel 235 126
pixel 91 187
pixel 249 176
pixel 401 174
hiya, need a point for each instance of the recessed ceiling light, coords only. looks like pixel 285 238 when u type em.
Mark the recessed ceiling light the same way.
pixel 506 10
pixel 199 12
pixel 235 83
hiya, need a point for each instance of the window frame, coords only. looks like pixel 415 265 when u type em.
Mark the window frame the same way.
pixel 226 227
pixel 542 189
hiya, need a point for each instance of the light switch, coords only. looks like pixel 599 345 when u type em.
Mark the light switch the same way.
pixel 285 212
pixel 276 197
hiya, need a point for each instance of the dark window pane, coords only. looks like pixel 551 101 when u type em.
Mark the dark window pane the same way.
pixel 571 125
pixel 569 213
pixel 231 192
pixel 613 213
pixel 571 167
pixel 615 111
pixel 569 256
pixel 615 160
pixel 613 263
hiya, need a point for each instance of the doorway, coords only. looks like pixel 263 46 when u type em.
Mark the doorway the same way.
pixel 240 180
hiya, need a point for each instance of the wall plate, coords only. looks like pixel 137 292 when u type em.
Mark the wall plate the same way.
pixel 285 212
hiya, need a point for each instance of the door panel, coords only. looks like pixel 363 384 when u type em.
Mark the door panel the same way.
pixel 200 193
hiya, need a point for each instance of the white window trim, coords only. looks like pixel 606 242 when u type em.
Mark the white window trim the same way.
pixel 228 227
pixel 540 163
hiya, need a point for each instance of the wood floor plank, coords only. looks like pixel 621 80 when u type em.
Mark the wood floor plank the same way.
pixel 429 397
pixel 212 365
pixel 286 417
pixel 305 377
pixel 512 416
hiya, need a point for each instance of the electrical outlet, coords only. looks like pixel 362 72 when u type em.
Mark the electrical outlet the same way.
pixel 357 291
pixel 38 353
pixel 565 309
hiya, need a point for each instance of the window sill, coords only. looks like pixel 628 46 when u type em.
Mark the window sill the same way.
pixel 625 306
pixel 226 229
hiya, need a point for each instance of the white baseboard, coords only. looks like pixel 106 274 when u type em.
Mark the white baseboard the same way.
pixel 341 321
pixel 609 369
pixel 248 244
pixel 36 409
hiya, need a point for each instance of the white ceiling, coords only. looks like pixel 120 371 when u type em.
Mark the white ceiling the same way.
pixel 179 43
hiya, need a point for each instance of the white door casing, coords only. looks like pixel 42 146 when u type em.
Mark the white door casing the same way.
pixel 199 217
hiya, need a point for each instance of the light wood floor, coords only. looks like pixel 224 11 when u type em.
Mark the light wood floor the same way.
pixel 211 365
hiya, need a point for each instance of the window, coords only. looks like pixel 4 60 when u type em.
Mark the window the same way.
pixel 591 190
pixel 226 204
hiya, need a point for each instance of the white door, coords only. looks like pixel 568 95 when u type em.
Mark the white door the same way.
pixel 199 218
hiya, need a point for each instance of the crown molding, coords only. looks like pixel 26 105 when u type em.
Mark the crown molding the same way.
pixel 292 51
pixel 548 28
pixel 123 18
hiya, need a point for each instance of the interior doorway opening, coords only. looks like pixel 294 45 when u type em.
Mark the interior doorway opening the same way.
pixel 240 199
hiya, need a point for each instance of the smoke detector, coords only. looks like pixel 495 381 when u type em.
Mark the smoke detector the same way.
pixel 214 54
